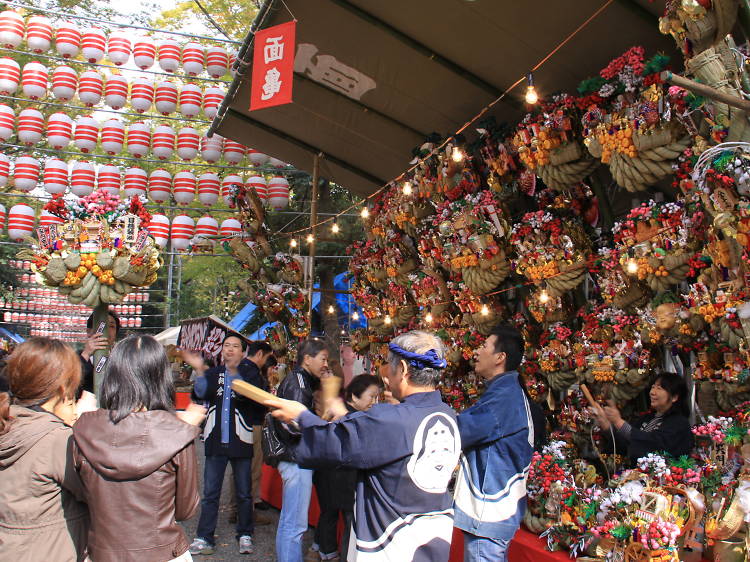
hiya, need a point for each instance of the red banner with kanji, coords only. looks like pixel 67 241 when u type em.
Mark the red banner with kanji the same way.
pixel 273 66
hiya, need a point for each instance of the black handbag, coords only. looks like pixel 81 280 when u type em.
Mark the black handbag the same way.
pixel 274 449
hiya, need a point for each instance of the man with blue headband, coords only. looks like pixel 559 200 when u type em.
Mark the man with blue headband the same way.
pixel 406 454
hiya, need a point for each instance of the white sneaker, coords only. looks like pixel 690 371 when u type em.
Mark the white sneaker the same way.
pixel 246 544
pixel 200 546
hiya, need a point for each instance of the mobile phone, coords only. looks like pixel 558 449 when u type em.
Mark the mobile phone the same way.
pixel 100 328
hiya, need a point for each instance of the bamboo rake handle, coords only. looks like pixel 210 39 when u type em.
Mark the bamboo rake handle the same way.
pixel 704 90
pixel 252 392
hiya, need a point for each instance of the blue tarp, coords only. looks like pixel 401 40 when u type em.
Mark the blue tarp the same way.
pixel 11 335
pixel 243 317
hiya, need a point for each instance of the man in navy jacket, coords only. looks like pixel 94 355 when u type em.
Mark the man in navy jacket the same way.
pixel 497 438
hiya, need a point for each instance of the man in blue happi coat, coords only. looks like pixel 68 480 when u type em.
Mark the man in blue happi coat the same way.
pixel 406 454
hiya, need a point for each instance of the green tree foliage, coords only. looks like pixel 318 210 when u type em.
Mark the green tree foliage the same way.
pixel 234 17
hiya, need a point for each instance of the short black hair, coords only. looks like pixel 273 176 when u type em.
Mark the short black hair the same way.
pixel 311 347
pixel 243 342
pixel 675 386
pixel 136 376
pixel 112 313
pixel 255 346
pixel 508 340
pixel 360 383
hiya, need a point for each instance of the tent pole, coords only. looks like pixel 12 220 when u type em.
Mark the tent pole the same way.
pixel 313 221
pixel 167 319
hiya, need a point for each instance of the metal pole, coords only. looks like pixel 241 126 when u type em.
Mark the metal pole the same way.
pixel 313 221
pixel 169 289
pixel 179 287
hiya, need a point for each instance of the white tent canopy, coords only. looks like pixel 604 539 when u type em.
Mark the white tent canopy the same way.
pixel 168 336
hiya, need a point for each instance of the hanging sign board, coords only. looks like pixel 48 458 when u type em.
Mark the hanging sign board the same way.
pixel 205 336
pixel 273 66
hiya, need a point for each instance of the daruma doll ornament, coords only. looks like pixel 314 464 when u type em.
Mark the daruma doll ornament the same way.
pixel 258 183
pixel 59 130
pixel 183 230
pixel 159 229
pixel 116 91
pixel 10 76
pixel 20 222
pixel 162 142
pixel 109 179
pixel 217 61
pixel 142 94
pixel 206 226
pixel 38 33
pixel 227 183
pixel 188 143
pixel 160 185
pixel 212 98
pixel 30 126
pixel 234 152
pixel 26 173
pixel 208 188
pixel 67 39
pixel 169 55
pixel 191 97
pixel 193 58
pixel 165 99
pixel 136 181
pixel 4 171
pixel 34 80
pixel 82 178
pixel 7 122
pixel 230 227
pixel 119 48
pixel 64 83
pixel 87 133
pixel 113 136
pixel 46 219
pixel 90 88
pixel 93 44
pixel 55 176
pixel 11 29
pixel 144 53
pixel 139 139
pixel 278 193
pixel 183 187
pixel 211 148
pixel 257 158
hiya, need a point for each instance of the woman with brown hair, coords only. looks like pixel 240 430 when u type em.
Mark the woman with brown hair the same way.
pixel 41 517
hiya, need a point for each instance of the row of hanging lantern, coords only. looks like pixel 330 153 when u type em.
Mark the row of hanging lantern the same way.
pixel 36 81
pixel 93 44
pixel 56 305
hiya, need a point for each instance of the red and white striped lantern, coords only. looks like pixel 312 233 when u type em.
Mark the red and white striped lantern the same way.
pixel 7 122
pixel 82 178
pixel 144 53
pixel 234 152
pixel 160 185
pixel 228 181
pixel 142 94
pixel 47 219
pixel 90 88
pixel 208 188
pixel 4 172
pixel 211 148
pixel 67 39
pixel 87 133
pixel 20 222
pixel 30 126
pixel 193 58
pixel 206 226
pixel 190 100
pixel 183 187
pixel 109 179
pixel 232 60
pixel 55 176
pixel 136 180
pixel 116 91
pixel 169 55
pixel 230 227
pixel 162 143
pixel 258 183
pixel 188 143
pixel 113 136
pixel 26 173
pixel 139 139
pixel 59 130
pixel 38 33
pixel 276 163
pixel 278 192
pixel 217 61
pixel 64 83
pixel 212 98
pixel 34 80
pixel 159 229
pixel 119 47
pixel 10 76
pixel 183 230
pixel 257 158
pixel 165 99
pixel 12 28
pixel 93 44
pixel 2 216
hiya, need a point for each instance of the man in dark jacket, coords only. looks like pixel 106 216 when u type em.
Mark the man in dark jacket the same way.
pixel 228 438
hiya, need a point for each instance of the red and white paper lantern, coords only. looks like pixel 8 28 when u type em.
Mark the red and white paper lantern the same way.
pixel 193 58
pixel 38 33
pixel 258 183
pixel 87 134
pixel 183 187
pixel 12 28
pixel 20 222
pixel 234 152
pixel 230 227
pixel 26 173
pixel 159 229
pixel 228 181
pixel 257 158
pixel 55 176
pixel 113 136
pixel 67 39
pixel 183 230
pixel 206 226
pixel 188 143
pixel 116 91
pixel 59 130
pixel 190 100
pixel 34 80
pixel 139 139
pixel 10 76
pixel 119 48
pixel 162 143
pixel 165 99
pixel 7 122
pixel 217 61
pixel 93 44
pixel 160 185
pixel 136 180
pixel 142 94
pixel 2 216
pixel 278 192
pixel 64 83
pixel 82 178
pixel 90 88
pixel 109 179
pixel 47 219
pixel 169 55
pixel 232 60
pixel 276 163
pixel 211 148
pixel 30 126
pixel 208 188
pixel 212 98
pixel 144 53
pixel 4 171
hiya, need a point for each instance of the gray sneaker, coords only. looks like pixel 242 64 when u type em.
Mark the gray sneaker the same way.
pixel 200 546
pixel 246 544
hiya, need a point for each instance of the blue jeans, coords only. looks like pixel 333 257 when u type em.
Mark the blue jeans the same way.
pixel 213 477
pixel 483 549
pixel 295 503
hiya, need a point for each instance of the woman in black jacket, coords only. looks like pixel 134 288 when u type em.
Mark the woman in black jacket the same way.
pixel 667 429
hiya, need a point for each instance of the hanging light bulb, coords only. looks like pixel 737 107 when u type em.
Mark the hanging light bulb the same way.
pixel 310 238
pixel 335 228
pixel 531 96
pixel 331 310
pixel 544 296
pixel 343 332
pixel 407 188
pixel 485 310
pixel 457 155
pixel 365 212
pixel 428 318
pixel 632 266
pixel 387 319
pixel 293 243
pixel 355 316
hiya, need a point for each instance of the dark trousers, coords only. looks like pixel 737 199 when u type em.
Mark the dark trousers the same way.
pixel 326 531
pixel 213 477
pixel 333 498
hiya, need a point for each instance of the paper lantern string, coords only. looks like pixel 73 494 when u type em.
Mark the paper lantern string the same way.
pixel 419 361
